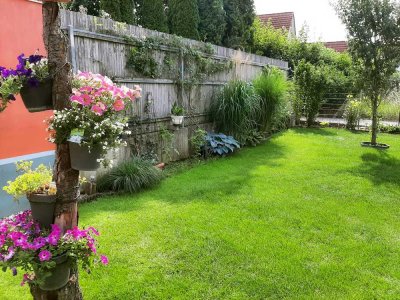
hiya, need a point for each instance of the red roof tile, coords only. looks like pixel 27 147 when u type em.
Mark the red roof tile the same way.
pixel 278 20
pixel 339 46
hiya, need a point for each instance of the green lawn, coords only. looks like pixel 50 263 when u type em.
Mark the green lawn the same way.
pixel 308 215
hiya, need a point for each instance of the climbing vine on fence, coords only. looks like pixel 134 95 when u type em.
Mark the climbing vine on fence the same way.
pixel 198 61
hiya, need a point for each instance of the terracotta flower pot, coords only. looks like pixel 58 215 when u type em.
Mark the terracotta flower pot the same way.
pixel 82 159
pixel 38 98
pixel 42 207
pixel 59 274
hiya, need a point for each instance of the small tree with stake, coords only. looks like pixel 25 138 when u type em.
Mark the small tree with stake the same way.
pixel 374 41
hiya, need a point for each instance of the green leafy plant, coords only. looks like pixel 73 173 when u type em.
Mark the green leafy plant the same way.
pixel 31 181
pixel 198 141
pixel 352 113
pixel 221 144
pixel 130 176
pixel 271 86
pixel 167 143
pixel 236 108
pixel 177 110
pixel 142 61
pixel 389 128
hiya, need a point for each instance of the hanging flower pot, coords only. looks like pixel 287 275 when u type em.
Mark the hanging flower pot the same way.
pixel 177 120
pixel 42 207
pixel 59 274
pixel 38 98
pixel 83 158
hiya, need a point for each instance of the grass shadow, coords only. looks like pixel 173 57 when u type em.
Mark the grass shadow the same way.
pixel 379 167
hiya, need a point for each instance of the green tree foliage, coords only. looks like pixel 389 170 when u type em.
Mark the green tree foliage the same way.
pixel 212 21
pixel 240 16
pixel 183 18
pixel 310 87
pixel 374 41
pixel 127 11
pixel 92 6
pixel 111 7
pixel 151 14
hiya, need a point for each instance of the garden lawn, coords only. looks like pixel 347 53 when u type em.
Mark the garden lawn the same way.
pixel 310 214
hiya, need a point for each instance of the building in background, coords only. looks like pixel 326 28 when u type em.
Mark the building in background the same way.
pixel 339 46
pixel 22 134
pixel 285 20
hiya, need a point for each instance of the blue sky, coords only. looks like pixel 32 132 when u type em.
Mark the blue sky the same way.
pixel 319 15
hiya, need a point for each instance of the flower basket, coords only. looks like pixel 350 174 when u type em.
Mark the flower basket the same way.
pixel 59 274
pixel 177 120
pixel 42 207
pixel 82 159
pixel 38 98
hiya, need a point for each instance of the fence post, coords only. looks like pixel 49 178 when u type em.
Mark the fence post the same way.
pixel 72 47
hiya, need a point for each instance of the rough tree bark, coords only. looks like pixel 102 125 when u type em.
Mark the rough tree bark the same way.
pixel 67 179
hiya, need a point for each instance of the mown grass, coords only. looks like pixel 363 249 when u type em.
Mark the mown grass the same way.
pixel 308 215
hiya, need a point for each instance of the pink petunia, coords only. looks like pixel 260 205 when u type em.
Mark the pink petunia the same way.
pixel 119 105
pixel 104 260
pixel 45 255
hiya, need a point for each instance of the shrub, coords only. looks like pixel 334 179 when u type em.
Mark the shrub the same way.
pixel 235 110
pixel 352 113
pixel 389 129
pixel 271 86
pixel 310 88
pixel 221 144
pixel 130 176
pixel 198 141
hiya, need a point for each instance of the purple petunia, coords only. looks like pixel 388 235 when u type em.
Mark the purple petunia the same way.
pixel 45 255
pixel 33 59
pixel 104 260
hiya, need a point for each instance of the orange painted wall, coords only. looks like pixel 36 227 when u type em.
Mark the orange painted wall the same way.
pixel 21 132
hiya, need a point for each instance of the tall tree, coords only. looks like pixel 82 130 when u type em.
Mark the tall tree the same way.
pixel 151 14
pixel 240 16
pixel 92 6
pixel 212 21
pixel 67 179
pixel 374 43
pixel 183 18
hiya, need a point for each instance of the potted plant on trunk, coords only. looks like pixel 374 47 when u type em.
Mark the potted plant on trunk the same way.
pixel 45 256
pixel 95 122
pixel 31 79
pixel 177 114
pixel 37 186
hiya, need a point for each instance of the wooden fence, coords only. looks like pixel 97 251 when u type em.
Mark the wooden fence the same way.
pixel 102 46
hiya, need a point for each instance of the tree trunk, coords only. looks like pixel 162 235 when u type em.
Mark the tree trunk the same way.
pixel 67 179
pixel 374 129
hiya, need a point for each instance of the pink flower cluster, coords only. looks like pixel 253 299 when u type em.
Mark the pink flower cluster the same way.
pixel 100 94
pixel 20 234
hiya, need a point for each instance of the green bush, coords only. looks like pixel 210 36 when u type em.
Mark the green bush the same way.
pixel 352 113
pixel 130 176
pixel 310 86
pixel 271 86
pixel 235 110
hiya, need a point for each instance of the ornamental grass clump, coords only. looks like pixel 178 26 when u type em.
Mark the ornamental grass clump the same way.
pixel 30 71
pixel 272 87
pixel 130 176
pixel 96 117
pixel 24 245
pixel 236 109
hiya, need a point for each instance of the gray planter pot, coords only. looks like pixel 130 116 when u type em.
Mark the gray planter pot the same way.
pixel 42 207
pixel 82 159
pixel 59 275
pixel 38 98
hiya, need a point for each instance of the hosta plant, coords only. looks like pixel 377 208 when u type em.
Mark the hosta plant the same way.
pixel 24 246
pixel 221 144
pixel 96 117
pixel 30 71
